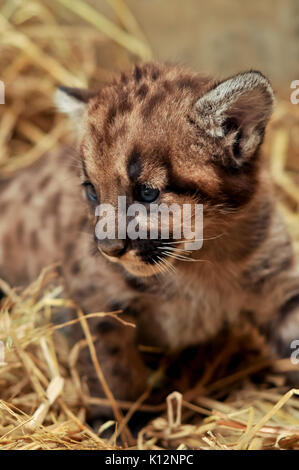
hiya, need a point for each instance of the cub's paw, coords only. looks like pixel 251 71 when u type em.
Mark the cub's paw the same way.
pixel 284 338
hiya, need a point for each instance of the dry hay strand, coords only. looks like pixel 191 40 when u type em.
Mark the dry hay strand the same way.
pixel 41 406
pixel 254 420
pixel 281 148
pixel 44 400
pixel 44 44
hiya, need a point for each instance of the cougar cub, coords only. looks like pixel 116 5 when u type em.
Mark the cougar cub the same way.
pixel 159 134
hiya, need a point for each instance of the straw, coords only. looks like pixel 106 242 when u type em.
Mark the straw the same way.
pixel 44 398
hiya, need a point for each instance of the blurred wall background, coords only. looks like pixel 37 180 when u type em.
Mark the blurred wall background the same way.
pixel 223 36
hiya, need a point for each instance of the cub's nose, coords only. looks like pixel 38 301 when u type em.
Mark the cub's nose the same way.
pixel 115 248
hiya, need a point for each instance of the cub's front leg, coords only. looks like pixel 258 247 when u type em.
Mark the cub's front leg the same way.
pixel 95 288
pixel 278 311
pixel 121 363
pixel 283 332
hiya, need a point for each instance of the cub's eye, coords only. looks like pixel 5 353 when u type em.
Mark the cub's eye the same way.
pixel 90 192
pixel 146 194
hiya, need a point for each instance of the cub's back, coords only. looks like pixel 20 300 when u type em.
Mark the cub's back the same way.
pixel 39 208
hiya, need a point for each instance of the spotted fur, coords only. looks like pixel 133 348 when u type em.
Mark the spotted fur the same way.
pixel 196 140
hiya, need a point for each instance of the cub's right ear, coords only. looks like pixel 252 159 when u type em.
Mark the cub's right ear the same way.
pixel 72 101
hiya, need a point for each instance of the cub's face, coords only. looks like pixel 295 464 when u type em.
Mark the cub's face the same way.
pixel 162 135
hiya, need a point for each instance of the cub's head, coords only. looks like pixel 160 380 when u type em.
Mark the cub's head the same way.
pixel 161 134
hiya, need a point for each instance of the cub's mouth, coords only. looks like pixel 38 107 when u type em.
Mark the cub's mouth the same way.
pixel 142 257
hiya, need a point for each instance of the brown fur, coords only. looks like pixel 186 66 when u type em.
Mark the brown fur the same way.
pixel 157 125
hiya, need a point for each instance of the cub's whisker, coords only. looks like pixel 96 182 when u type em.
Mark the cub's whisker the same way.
pixel 191 240
pixel 183 258
pixel 178 250
pixel 168 266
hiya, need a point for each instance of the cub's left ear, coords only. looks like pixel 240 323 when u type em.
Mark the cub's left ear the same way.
pixel 72 101
pixel 237 110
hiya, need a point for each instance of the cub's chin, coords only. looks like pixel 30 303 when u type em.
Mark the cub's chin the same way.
pixel 141 269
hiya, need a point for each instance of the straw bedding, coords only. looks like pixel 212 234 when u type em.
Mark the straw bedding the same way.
pixel 236 403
